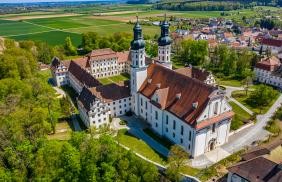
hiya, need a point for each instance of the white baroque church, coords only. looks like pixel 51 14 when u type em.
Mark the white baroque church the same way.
pixel 180 105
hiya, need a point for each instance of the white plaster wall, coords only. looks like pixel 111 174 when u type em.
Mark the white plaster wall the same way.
pixel 120 107
pixel 200 143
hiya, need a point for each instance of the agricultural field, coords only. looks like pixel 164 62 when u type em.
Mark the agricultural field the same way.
pixel 54 26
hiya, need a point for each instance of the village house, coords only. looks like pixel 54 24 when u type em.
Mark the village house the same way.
pixel 269 71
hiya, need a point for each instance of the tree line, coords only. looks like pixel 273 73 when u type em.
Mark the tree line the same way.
pixel 211 5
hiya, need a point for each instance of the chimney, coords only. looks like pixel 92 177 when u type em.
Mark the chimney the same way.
pixel 195 105
pixel 178 96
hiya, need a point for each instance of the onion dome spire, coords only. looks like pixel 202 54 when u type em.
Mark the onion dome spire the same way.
pixel 164 38
pixel 138 41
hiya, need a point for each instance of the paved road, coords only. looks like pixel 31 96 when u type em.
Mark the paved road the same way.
pixel 239 140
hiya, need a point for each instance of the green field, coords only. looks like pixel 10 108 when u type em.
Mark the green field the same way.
pixel 52 37
pixel 43 28
pixel 18 28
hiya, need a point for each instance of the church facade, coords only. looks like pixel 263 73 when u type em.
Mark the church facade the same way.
pixel 180 105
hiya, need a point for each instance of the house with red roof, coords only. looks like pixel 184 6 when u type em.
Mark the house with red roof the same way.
pixel 269 71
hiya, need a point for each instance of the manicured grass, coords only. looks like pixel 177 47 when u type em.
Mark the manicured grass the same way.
pixel 138 146
pixel 232 83
pixel 5 21
pixel 241 116
pixel 240 95
pixel 105 81
pixel 120 78
pixel 52 37
pixel 114 79
pixel 163 141
pixel 17 28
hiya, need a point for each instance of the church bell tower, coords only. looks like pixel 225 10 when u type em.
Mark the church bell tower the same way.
pixel 138 66
pixel 164 45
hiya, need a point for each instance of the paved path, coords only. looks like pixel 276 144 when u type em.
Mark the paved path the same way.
pixel 242 106
pixel 239 140
pixel 136 127
pixel 229 91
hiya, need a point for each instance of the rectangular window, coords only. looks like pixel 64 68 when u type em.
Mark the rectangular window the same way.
pixel 156 115
pixel 182 130
pixel 166 119
pixel 213 128
pixel 190 135
pixel 174 124
pixel 141 101
pixel 156 125
pixel 215 108
pixel 181 141
pixel 146 105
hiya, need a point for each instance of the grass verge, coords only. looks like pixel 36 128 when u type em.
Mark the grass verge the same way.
pixel 138 146
pixel 241 116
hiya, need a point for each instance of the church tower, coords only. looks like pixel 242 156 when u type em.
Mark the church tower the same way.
pixel 164 43
pixel 138 66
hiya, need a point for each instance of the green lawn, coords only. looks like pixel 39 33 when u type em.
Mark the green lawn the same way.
pixel 241 116
pixel 165 142
pixel 114 79
pixel 232 83
pixel 138 146
pixel 240 95
pixel 52 37
pixel 17 28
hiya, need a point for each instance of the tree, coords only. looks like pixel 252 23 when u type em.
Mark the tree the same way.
pixel 262 96
pixel 247 81
pixel 152 49
pixel 70 50
pixel 177 159
pixel 66 106
pixel 193 52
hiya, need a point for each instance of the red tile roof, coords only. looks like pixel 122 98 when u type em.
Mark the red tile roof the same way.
pixel 208 122
pixel 193 72
pixel 182 92
pixel 82 75
pixel 268 63
pixel 100 54
pixel 123 56
pixel 272 42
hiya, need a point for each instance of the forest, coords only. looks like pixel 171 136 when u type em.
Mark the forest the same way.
pixel 212 5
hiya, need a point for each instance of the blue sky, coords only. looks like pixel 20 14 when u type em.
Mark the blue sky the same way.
pixel 21 1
